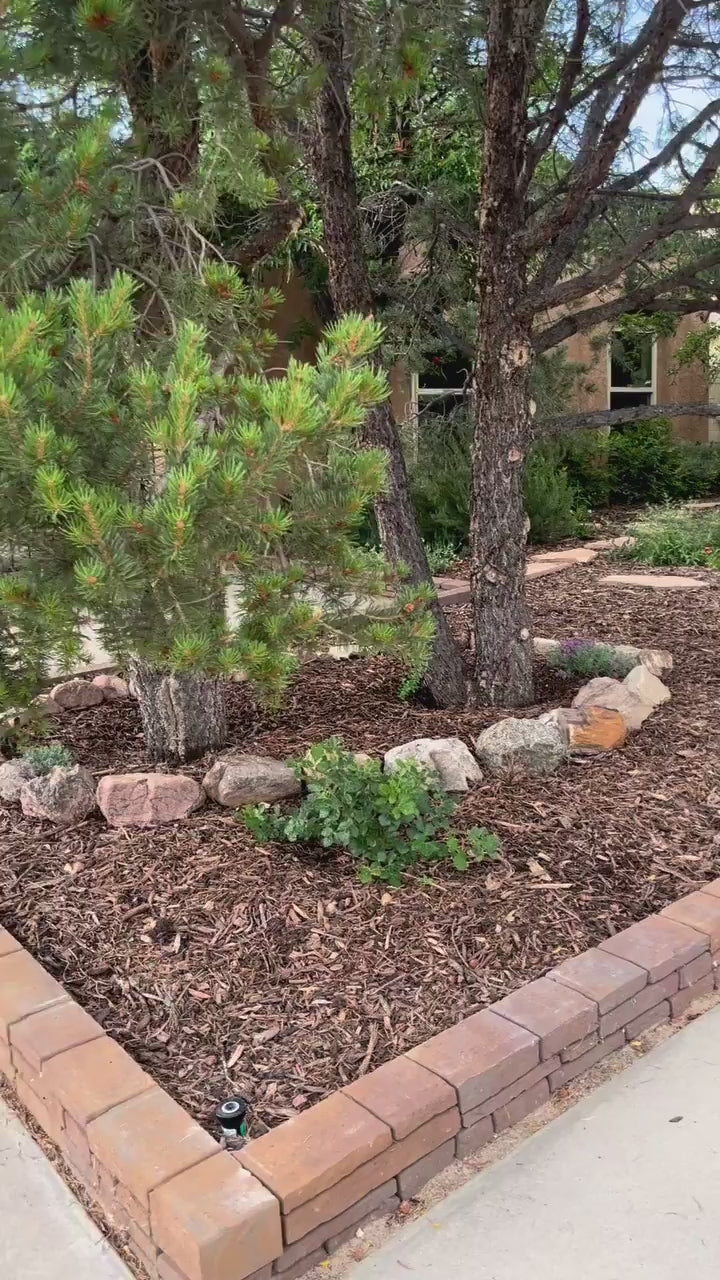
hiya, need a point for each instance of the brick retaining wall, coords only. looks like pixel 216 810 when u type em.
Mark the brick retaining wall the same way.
pixel 193 1211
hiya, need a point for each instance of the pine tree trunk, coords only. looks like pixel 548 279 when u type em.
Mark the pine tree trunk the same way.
pixel 330 156
pixel 501 388
pixel 183 716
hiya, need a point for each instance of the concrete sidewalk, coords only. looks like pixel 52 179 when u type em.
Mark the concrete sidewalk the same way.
pixel 45 1234
pixel 623 1186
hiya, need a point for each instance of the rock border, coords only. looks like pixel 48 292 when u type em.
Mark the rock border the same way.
pixel 194 1211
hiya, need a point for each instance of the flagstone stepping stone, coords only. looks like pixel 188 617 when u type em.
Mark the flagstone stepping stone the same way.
pixel 657 582
pixel 609 544
pixel 572 555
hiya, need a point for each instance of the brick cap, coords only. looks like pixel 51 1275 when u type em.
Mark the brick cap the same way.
pixel 43 1035
pixel 657 944
pixel 479 1056
pixel 315 1150
pixel 25 988
pixel 402 1094
pixel 699 911
pixel 601 976
pixel 556 1013
pixel 216 1220
pixel 94 1077
pixel 148 1140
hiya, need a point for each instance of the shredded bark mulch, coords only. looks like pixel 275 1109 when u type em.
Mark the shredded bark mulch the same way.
pixel 227 968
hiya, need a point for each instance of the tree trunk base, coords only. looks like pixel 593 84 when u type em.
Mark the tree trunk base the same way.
pixel 183 716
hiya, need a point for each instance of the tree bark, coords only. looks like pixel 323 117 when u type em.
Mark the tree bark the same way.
pixel 501 388
pixel 183 716
pixel 329 152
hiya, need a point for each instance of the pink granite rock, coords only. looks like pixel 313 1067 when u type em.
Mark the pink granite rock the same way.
pixel 146 799
pixel 75 695
pixel 112 688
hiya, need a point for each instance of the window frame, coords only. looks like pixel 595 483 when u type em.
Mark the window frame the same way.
pixel 650 387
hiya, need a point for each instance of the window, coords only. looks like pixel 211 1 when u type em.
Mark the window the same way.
pixel 441 388
pixel 632 370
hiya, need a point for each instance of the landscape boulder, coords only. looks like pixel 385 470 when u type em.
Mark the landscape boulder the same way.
pixel 112 688
pixel 648 688
pixel 75 695
pixel 147 799
pixel 588 729
pixel 65 795
pixel 613 694
pixel 13 773
pixel 449 758
pixel 526 746
pixel 237 779
pixel 657 661
pixel 47 705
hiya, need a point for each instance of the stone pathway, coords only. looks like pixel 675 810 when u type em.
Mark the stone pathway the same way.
pixel 657 582
pixel 45 1234
pixel 623 1186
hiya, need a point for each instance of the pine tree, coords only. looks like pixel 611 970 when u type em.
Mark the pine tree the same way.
pixel 143 493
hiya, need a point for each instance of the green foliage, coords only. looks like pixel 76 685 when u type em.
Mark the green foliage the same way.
pixel 587 658
pixel 390 822
pixel 141 493
pixel 442 554
pixel 674 536
pixel 43 759
pixel 642 462
pixel 441 483
pixel 551 502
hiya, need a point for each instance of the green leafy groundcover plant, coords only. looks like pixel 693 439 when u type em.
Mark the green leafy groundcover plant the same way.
pixel 579 657
pixel 674 536
pixel 388 821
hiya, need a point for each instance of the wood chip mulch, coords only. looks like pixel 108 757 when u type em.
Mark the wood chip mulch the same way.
pixel 227 968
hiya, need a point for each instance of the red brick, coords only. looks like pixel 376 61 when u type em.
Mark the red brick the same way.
pixel 411 1180
pixel 697 969
pixel 650 1018
pixel 48 1117
pixel 684 998
pixel 347 1221
pixel 167 1270
pixel 299 1269
pixel 580 1047
pixel 147 1140
pixel 713 888
pixel 541 1072
pixel 471 1140
pixel 137 1212
pixel 6 1066
pixel 479 1056
pixel 556 1013
pixel 657 944
pixel 384 1209
pixel 61 1027
pixel 40 1091
pixel 380 1169
pixel 403 1095
pixel 25 988
pixel 8 944
pixel 569 1070
pixel 699 911
pixel 315 1150
pixel 142 1245
pixel 601 977
pixel 216 1220
pixel 94 1077
pixel 645 999
pixel 521 1106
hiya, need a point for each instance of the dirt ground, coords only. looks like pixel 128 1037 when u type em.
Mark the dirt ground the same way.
pixel 224 967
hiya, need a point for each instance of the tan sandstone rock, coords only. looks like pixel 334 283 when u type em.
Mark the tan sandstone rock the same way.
pixel 237 778
pixel 647 686
pixel 615 696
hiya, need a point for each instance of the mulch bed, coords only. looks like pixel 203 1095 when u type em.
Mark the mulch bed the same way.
pixel 225 968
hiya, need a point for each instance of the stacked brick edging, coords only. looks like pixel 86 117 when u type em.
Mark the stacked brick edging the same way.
pixel 193 1211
